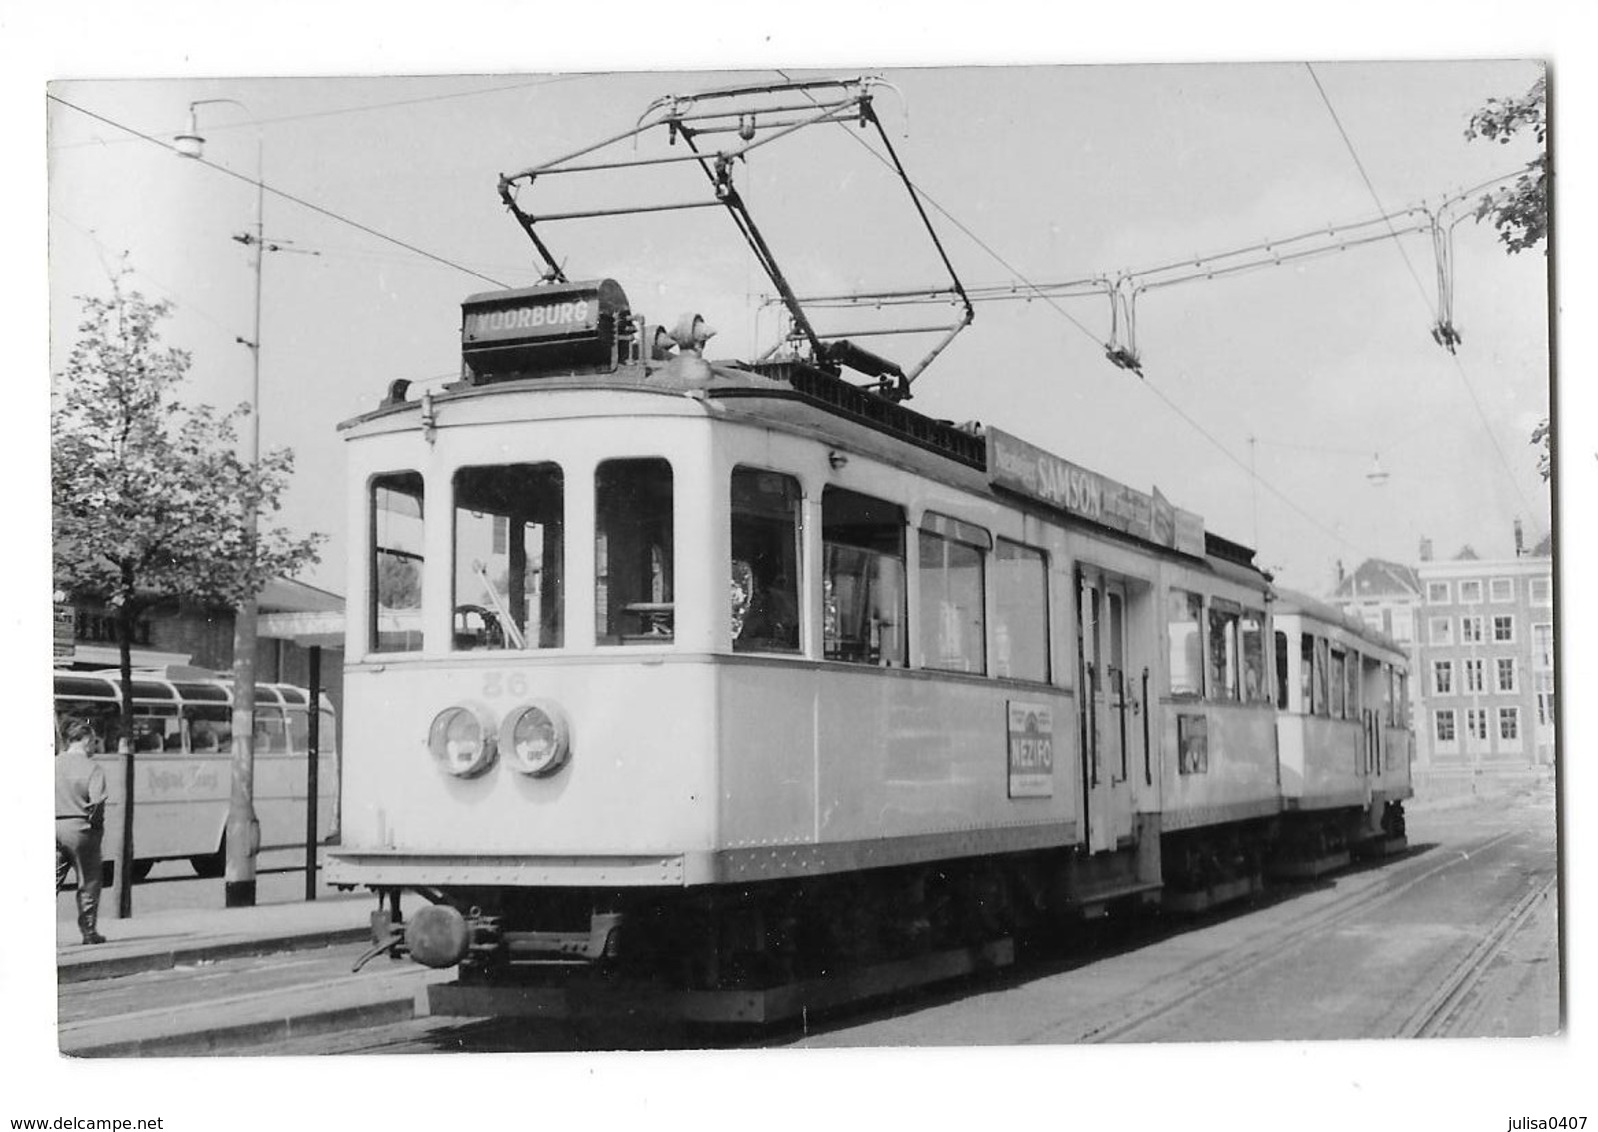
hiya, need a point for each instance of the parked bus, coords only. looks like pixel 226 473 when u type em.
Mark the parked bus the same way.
pixel 182 741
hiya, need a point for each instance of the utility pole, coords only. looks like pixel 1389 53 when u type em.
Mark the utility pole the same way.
pixel 243 828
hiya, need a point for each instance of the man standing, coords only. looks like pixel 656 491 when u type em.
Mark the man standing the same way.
pixel 80 823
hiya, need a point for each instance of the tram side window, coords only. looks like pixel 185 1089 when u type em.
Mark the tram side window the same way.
pixel 1316 660
pixel 863 574
pixel 1184 618
pixel 767 530
pixel 509 550
pixel 396 583
pixel 1281 670
pixel 1020 612
pixel 633 567
pixel 1338 683
pixel 953 624
pixel 1256 683
pixel 1351 699
pixel 1223 677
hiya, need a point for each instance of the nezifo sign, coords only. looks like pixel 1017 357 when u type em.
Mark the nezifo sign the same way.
pixel 1031 750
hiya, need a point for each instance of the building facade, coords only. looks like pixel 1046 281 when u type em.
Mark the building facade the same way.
pixel 1387 596
pixel 1485 672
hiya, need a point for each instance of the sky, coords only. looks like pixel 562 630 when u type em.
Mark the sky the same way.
pixel 1031 170
pixel 1309 371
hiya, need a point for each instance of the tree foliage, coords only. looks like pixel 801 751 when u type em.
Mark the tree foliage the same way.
pixel 1519 211
pixel 150 500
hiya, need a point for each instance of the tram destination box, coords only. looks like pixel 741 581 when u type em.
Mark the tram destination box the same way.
pixel 543 331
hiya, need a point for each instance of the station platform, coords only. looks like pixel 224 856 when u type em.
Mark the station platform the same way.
pixel 101 1021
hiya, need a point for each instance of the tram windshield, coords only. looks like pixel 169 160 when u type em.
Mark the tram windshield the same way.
pixel 633 590
pixel 509 551
pixel 766 535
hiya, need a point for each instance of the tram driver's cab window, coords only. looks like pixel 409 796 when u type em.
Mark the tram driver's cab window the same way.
pixel 766 536
pixel 862 585
pixel 509 548
pixel 633 602
pixel 395 616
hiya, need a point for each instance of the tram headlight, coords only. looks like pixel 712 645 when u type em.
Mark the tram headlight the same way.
pixel 536 738
pixel 462 741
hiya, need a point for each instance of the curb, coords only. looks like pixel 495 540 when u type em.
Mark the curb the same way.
pixel 221 1040
pixel 115 966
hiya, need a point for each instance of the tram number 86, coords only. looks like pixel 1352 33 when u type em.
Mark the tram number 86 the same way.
pixel 499 684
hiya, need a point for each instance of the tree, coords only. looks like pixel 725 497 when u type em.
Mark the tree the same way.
pixel 1520 211
pixel 150 502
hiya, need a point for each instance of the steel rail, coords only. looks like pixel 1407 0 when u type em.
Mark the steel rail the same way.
pixel 1212 976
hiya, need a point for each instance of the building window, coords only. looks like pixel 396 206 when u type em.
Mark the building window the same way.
pixel 1509 723
pixel 953 625
pixel 1403 626
pixel 1444 720
pixel 395 614
pixel 633 553
pixel 1437 593
pixel 1504 628
pixel 1443 677
pixel 1470 630
pixel 1476 723
pixel 1184 618
pixel 509 546
pixel 1442 630
pixel 767 531
pixel 1506 674
pixel 1020 612
pixel 862 584
pixel 93 627
pixel 1372 618
pixel 1545 709
pixel 1501 589
pixel 1542 645
pixel 1473 676
pixel 1541 591
pixel 1470 593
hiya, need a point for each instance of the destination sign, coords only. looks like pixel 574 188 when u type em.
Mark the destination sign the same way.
pixel 1028 470
pixel 530 319
pixel 549 329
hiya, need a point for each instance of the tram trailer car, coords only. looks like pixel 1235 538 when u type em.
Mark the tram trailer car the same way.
pixel 1343 735
pixel 742 674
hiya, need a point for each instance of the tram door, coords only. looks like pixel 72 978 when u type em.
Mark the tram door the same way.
pixel 1106 708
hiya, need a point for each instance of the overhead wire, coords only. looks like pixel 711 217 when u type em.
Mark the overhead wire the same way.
pixel 1481 413
pixel 341 110
pixel 1171 405
pixel 301 201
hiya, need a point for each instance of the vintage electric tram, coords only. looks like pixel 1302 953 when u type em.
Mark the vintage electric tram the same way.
pixel 739 677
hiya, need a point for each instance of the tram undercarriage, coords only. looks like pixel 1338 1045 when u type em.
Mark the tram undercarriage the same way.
pixel 753 953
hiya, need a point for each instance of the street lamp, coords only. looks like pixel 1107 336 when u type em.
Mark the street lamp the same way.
pixel 243 828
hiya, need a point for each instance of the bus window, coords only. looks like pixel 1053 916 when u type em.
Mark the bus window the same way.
pixel 767 530
pixel 396 583
pixel 509 546
pixel 633 602
pixel 210 729
pixel 271 734
pixel 328 739
pixel 862 585
pixel 299 731
pixel 157 729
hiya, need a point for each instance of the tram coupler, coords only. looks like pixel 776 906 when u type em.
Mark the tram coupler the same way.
pixel 598 942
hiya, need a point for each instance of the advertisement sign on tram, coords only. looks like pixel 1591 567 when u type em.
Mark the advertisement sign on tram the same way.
pixel 1031 749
